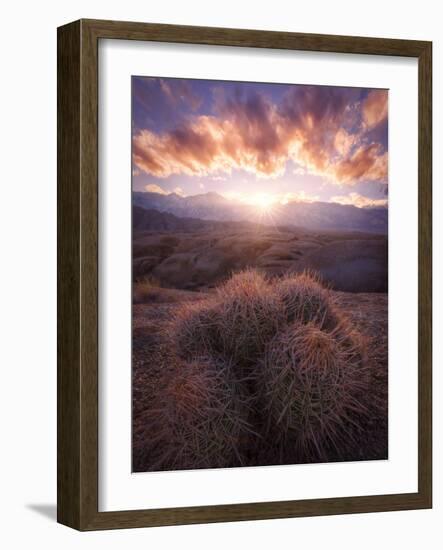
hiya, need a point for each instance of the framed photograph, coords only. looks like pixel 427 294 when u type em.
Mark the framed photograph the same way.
pixel 244 275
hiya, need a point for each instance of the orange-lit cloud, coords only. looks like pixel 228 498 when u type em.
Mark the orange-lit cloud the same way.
pixel 300 196
pixel 343 142
pixel 251 133
pixel 360 201
pixel 154 188
pixel 375 108
pixel 207 145
pixel 367 162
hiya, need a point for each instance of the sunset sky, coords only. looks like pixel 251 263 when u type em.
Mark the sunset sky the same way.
pixel 253 142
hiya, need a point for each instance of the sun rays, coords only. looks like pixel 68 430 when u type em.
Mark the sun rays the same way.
pixel 263 201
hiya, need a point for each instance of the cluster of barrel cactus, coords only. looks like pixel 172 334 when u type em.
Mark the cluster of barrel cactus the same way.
pixel 259 371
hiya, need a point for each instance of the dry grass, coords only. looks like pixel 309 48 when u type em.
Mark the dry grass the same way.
pixel 148 290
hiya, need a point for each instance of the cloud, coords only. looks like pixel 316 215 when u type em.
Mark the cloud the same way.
pixel 375 108
pixel 154 188
pixel 207 145
pixel 312 117
pixel 299 171
pixel 360 201
pixel 367 162
pixel 300 196
pixel 179 91
pixel 162 103
pixel 343 142
pixel 321 129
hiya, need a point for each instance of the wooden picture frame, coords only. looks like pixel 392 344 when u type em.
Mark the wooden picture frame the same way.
pixel 78 274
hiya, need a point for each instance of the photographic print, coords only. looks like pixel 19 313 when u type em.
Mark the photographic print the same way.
pixel 259 274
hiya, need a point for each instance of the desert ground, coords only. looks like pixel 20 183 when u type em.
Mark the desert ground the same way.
pixel 198 254
pixel 186 262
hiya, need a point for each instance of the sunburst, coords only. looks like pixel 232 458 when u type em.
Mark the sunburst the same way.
pixel 264 202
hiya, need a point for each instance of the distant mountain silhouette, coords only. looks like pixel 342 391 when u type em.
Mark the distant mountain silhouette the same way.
pixel 316 215
pixel 153 220
pixel 144 219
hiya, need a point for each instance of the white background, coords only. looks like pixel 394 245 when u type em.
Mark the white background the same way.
pixel 27 292
pixel 118 488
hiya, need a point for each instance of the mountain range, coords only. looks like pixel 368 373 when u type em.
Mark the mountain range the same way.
pixel 153 220
pixel 311 215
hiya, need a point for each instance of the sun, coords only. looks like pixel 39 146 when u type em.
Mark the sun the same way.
pixel 263 201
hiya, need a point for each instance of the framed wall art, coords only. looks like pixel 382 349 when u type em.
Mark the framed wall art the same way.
pixel 244 275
